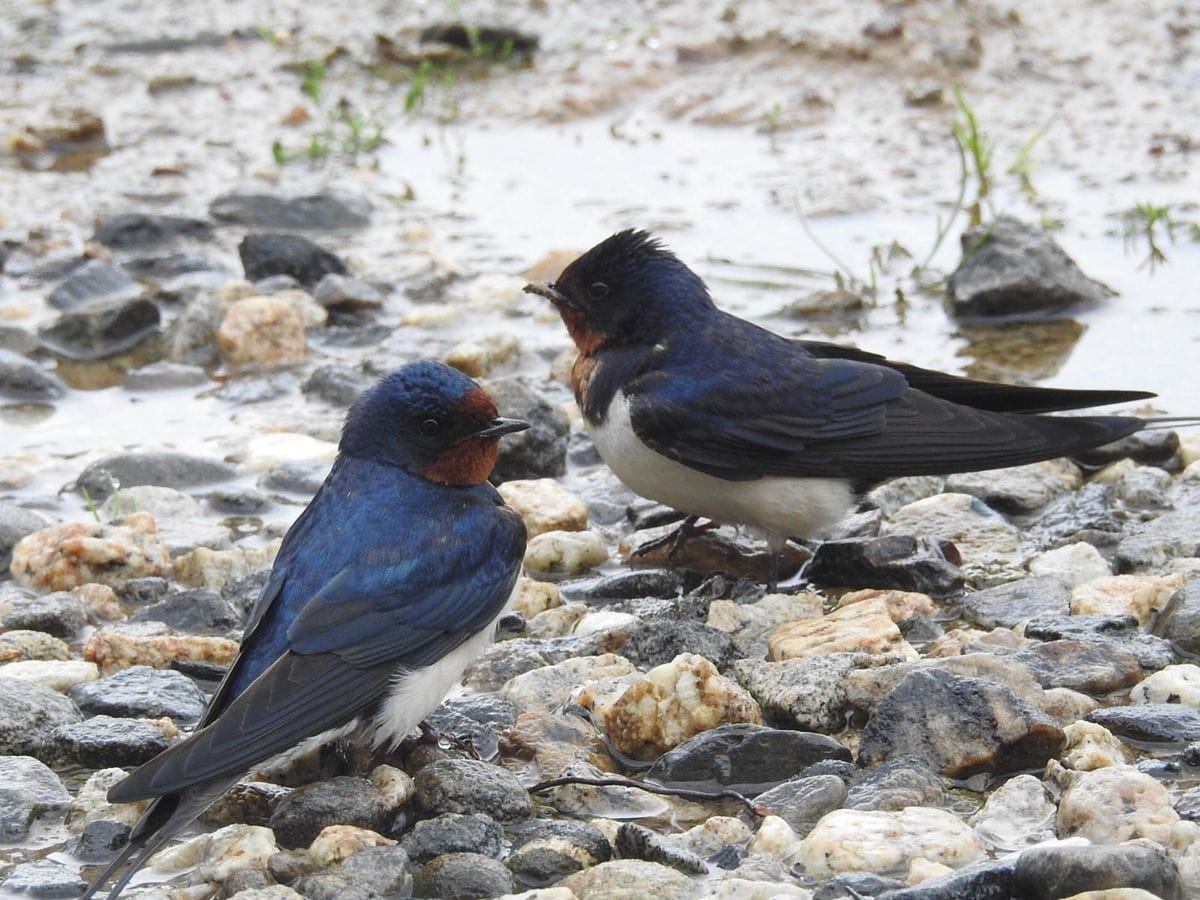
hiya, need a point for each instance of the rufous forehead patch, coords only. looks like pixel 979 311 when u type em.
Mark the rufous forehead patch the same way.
pixel 478 404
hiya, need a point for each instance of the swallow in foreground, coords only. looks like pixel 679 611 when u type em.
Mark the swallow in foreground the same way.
pixel 384 589
pixel 717 417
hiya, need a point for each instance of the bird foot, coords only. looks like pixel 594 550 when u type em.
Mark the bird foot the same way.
pixel 461 743
pixel 674 540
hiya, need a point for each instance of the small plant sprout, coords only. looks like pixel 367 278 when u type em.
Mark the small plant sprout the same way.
pixel 1152 224
pixel 977 151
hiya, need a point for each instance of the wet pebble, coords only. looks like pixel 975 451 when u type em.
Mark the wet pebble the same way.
pixel 809 694
pixel 1174 684
pixel 1152 652
pixel 1156 722
pixel 264 255
pixel 865 627
pixel 1075 564
pixel 61 557
pixel 886 842
pixel 165 375
pixel 100 328
pixel 548 850
pixel 801 801
pixel 247 802
pixel 28 789
pixel 1179 622
pixel 1007 605
pixel 614 878
pixel 262 331
pixel 149 644
pixel 897 784
pixel 126 231
pixel 44 878
pixel 305 812
pixel 163 468
pixel 1017 814
pixel 1090 746
pixel 92 285
pixel 986 541
pixel 338 385
pixel 749 624
pixel 60 613
pixel 746 758
pixel 103 741
pixel 100 840
pixel 337 843
pixel 1064 870
pixel 454 833
pixel 462 876
pixel 565 552
pixel 58 675
pixel 544 505
pixel 1020 489
pixel 29 717
pixel 673 702
pixel 318 212
pixel 894 561
pixel 1085 666
pixel 24 380
pixel 1140 596
pixel 1014 269
pixel 546 687
pixel 141 691
pixel 467 786
pixel 218 856
pixel 1150 545
pixel 198 611
pixel 343 292
pixel 635 842
pixel 998 732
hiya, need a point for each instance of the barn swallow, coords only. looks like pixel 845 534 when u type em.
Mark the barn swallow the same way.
pixel 717 417
pixel 388 584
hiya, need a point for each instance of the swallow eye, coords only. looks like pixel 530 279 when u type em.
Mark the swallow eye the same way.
pixel 431 427
pixel 598 290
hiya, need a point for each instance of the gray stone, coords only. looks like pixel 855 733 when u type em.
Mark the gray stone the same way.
pixel 141 691
pixel 479 719
pixel 898 783
pixel 321 211
pixel 1150 447
pixel 94 283
pixel 454 833
pixel 1156 722
pixel 165 375
pixel 1150 545
pixel 125 231
pixel 24 380
pixel 385 870
pixel 546 850
pixel 28 788
pixel 101 329
pixel 801 801
pixel 1045 873
pixel 247 802
pixel 632 585
pixel 287 254
pixel 1152 653
pixel 301 815
pixel 104 741
pixel 192 338
pixel 61 614
pixel 1088 666
pixel 993 730
pixel 541 450
pixel 1007 605
pixel 809 694
pixel 659 640
pixel 44 878
pixel 1179 622
pixel 338 385
pixel 858 885
pixel 462 876
pixel 198 611
pixel 990 880
pixel 299 478
pixel 746 758
pixel 1013 269
pixel 342 292
pixel 635 842
pixel 15 523
pixel 164 468
pixel 895 561
pixel 1079 514
pixel 467 786
pixel 101 840
pixel 29 715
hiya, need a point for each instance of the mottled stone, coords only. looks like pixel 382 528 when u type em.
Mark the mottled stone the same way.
pixel 1075 564
pixel 263 331
pixel 112 650
pixel 1179 621
pixel 626 879
pixel 1017 814
pixel 849 840
pixel 221 854
pixel 864 627
pixel 43 878
pixel 1008 605
pixel 1139 596
pixel 750 623
pixel 304 813
pixel 103 741
pixel 897 784
pixel 454 833
pixel 993 730
pixel 1174 684
pixel 65 556
pixel 809 694
pixel 544 505
pixel 1115 804
pixel 1019 489
pixel 28 788
pixel 1090 746
pixel 337 843
pixel 566 552
pixel 60 614
pixel 462 876
pixel 1044 873
pixel 29 717
pixel 1093 668
pixel 892 561
pixel 802 801
pixel 550 849
pixel 545 689
pixel 468 786
pixel 20 645
pixel 1155 722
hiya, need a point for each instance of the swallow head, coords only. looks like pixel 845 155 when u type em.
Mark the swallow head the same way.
pixel 628 289
pixel 431 420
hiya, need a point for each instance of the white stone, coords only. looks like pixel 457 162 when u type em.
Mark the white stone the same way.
pixel 851 840
pixel 1140 596
pixel 58 675
pixel 338 842
pixel 776 838
pixel 544 505
pixel 603 620
pixel 1174 684
pixel 743 889
pixel 557 622
pixel 567 552
pixel 545 689
pixel 535 597
pixel 712 835
pixel 486 355
pixel 922 869
pixel 1017 814
pixel 218 855
pixel 394 785
pixel 266 451
pixel 91 802
pixel 1115 804
pixel 1076 563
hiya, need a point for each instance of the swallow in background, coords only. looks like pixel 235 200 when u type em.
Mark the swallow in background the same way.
pixel 717 417
pixel 384 589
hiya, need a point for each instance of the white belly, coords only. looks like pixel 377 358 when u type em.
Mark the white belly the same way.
pixel 781 506
pixel 416 693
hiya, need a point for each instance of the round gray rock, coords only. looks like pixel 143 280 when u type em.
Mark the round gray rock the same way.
pixel 462 876
pixel 29 715
pixel 142 691
pixel 468 786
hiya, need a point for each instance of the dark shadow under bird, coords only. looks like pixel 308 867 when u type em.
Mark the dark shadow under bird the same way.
pixel 388 584
pixel 717 417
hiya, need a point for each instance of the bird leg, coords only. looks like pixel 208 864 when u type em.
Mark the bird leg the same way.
pixel 775 545
pixel 688 528
pixel 461 743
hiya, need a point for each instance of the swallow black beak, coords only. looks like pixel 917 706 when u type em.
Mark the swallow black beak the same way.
pixel 550 292
pixel 499 427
